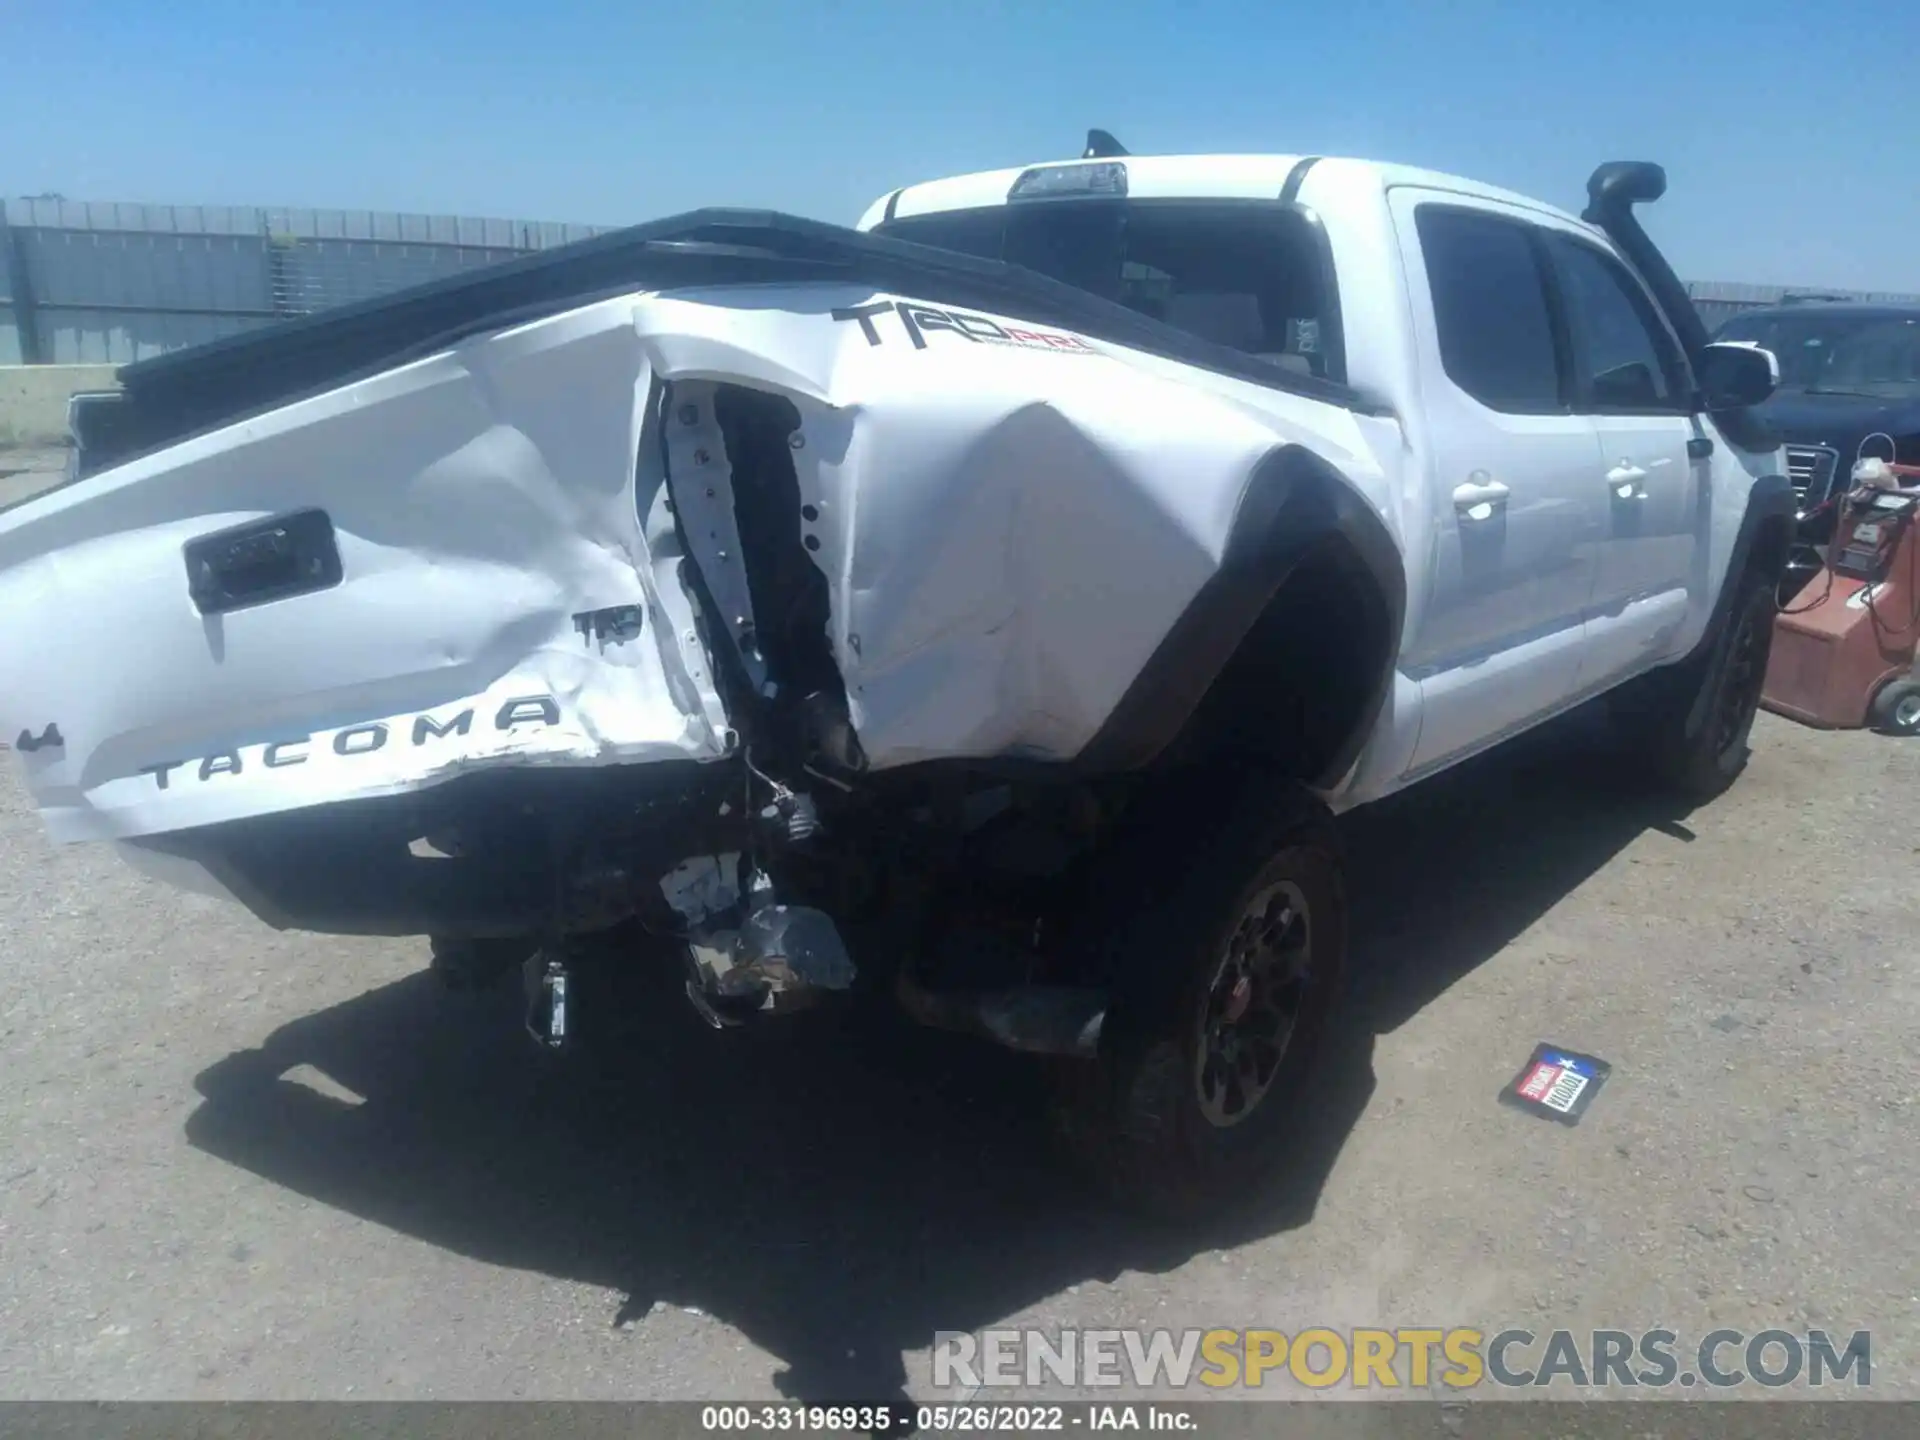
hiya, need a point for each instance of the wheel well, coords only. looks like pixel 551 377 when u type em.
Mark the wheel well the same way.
pixel 1304 683
pixel 1772 543
pixel 1286 653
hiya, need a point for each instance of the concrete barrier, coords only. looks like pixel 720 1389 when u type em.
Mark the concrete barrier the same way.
pixel 33 400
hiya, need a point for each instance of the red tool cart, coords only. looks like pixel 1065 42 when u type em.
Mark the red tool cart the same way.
pixel 1843 648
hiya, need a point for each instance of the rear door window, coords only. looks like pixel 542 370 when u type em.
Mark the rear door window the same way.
pixel 1492 309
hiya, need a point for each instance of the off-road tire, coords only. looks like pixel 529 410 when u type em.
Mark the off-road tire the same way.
pixel 1691 722
pixel 1136 1117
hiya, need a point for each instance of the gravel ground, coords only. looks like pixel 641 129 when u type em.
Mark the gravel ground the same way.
pixel 27 472
pixel 242 1164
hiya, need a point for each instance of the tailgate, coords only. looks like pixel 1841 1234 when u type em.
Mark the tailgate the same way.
pixel 456 564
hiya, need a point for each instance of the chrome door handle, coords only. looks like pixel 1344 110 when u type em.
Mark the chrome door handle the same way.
pixel 1624 480
pixel 1479 499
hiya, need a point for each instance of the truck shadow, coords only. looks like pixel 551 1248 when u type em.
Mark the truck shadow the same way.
pixel 840 1193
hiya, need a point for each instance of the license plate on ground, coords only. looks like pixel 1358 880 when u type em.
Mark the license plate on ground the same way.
pixel 1557 1083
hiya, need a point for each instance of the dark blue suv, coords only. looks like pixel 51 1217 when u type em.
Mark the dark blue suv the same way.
pixel 1849 387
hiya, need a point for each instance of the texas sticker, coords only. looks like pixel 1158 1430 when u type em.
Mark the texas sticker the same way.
pixel 1557 1083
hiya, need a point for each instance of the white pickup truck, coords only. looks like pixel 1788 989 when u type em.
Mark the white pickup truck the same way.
pixel 988 607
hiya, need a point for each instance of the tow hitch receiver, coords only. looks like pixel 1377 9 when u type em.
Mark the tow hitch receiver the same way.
pixel 750 956
pixel 548 1018
pixel 783 958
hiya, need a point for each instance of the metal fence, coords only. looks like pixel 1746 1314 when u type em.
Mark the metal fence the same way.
pixel 1719 301
pixel 90 282
pixel 110 283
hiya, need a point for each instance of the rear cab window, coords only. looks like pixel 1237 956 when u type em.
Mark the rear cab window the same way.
pixel 1251 276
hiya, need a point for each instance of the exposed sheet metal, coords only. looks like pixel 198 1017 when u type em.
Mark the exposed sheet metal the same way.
pixel 703 494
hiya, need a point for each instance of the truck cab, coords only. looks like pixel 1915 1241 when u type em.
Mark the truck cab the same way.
pixel 1565 495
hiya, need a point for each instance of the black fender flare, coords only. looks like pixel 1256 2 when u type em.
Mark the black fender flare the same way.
pixel 1770 504
pixel 1294 502
pixel 1770 501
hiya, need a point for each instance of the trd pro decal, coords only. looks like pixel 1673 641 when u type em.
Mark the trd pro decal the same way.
pixel 918 321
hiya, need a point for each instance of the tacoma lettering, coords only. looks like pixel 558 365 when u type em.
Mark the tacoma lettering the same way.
pixel 358 740
pixel 527 710
pixel 159 772
pixel 227 764
pixel 426 725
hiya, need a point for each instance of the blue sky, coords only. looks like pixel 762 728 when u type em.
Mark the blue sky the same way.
pixel 1787 128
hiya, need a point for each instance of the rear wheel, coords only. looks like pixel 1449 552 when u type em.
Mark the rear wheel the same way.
pixel 1896 709
pixel 1225 981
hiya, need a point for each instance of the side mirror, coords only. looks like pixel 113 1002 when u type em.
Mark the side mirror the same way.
pixel 1734 376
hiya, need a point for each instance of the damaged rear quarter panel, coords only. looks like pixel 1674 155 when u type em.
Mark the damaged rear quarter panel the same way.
pixel 1008 530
